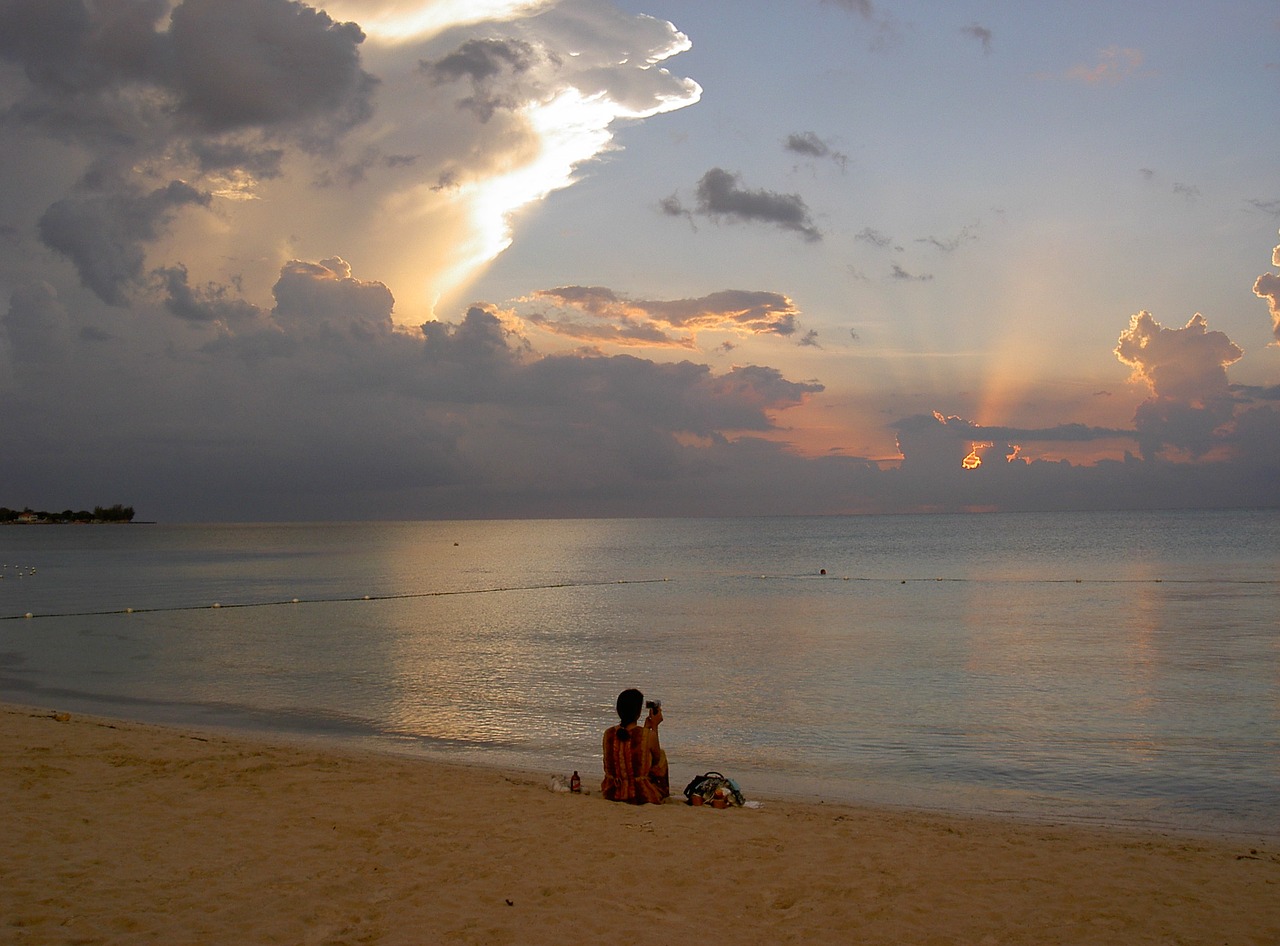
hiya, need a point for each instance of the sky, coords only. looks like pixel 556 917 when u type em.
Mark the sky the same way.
pixel 405 259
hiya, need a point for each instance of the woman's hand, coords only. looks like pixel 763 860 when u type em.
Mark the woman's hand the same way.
pixel 654 718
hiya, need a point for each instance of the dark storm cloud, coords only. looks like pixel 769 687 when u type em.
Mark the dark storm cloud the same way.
pixel 150 104
pixel 221 65
pixel 215 155
pixel 932 442
pixel 323 397
pixel 491 66
pixel 104 235
pixel 481 60
pixel 209 303
pixel 720 195
pixel 1257 392
pixel 68 47
pixel 238 63
pixel 933 445
pixel 672 398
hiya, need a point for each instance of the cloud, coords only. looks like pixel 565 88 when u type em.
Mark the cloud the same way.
pixel 1191 406
pixel 321 400
pixel 210 303
pixel 1187 364
pixel 263 63
pixel 210 353
pixel 264 103
pixel 1257 391
pixel 1267 286
pixel 325 296
pixel 221 65
pixel 648 322
pixel 103 235
pixel 1115 64
pixel 932 443
pixel 950 244
pixel 493 68
pixel 810 145
pixel 902 275
pixel 68 47
pixel 720 194
pixel 874 237
pixel 981 34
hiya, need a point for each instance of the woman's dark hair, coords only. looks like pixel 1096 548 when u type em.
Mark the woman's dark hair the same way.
pixel 629 705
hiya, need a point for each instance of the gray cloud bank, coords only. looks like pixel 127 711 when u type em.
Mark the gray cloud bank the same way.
pixel 321 407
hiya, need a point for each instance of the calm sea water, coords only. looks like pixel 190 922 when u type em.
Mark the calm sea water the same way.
pixel 1117 668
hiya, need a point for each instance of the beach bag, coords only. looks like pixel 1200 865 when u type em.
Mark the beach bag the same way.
pixel 706 789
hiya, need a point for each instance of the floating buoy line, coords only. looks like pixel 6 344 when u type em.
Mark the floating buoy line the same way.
pixel 402 596
pixel 218 605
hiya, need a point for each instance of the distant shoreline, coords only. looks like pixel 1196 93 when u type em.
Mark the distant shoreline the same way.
pixel 98 515
pixel 78 522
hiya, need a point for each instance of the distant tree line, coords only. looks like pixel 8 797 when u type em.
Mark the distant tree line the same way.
pixel 116 513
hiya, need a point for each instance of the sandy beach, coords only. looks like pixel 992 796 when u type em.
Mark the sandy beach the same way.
pixel 121 832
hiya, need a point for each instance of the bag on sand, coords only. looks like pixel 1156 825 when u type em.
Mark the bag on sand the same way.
pixel 713 789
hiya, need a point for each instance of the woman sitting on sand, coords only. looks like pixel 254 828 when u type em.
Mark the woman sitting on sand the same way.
pixel 635 767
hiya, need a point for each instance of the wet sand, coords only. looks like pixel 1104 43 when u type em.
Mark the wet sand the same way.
pixel 122 832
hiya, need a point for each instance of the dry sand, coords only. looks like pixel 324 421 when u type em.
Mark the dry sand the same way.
pixel 116 832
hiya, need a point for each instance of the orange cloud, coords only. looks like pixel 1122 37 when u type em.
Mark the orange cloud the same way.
pixel 1268 287
pixel 1114 65
pixel 673 322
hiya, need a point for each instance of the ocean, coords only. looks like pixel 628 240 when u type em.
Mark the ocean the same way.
pixel 1098 668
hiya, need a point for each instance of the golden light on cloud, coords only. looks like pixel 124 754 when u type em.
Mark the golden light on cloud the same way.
pixel 399 21
pixel 973 461
pixel 568 129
